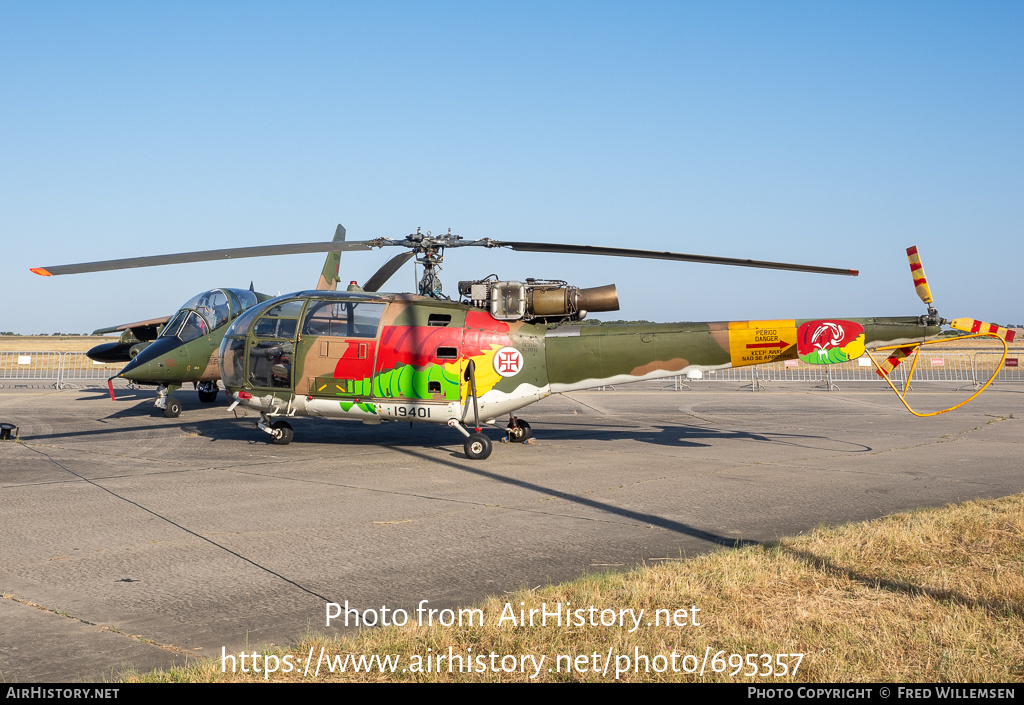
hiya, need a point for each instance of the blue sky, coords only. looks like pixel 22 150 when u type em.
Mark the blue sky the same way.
pixel 822 133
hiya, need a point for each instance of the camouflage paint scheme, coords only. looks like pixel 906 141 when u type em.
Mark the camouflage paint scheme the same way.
pixel 172 363
pixel 169 361
pixel 415 367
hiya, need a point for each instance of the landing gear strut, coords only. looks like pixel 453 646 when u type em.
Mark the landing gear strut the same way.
pixel 518 431
pixel 280 432
pixel 171 405
pixel 477 446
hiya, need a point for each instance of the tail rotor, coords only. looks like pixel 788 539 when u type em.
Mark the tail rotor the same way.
pixel 921 281
pixel 974 328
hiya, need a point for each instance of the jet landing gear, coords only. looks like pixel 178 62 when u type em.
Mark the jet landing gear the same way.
pixel 280 432
pixel 171 405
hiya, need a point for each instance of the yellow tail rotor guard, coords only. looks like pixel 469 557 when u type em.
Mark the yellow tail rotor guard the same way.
pixel 913 366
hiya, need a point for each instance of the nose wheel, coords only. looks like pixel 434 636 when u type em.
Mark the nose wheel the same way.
pixel 281 433
pixel 477 446
pixel 173 408
pixel 169 405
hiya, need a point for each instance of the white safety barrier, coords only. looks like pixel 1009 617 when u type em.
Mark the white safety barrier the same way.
pixel 932 366
pixel 985 363
pixel 30 365
pixel 55 367
pixel 826 376
pixel 78 366
pixel 941 367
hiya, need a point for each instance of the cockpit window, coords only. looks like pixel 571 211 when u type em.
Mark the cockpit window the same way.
pixel 275 328
pixel 241 324
pixel 213 309
pixel 195 327
pixel 279 321
pixel 288 309
pixel 172 328
pixel 348 319
pixel 241 300
pixel 186 326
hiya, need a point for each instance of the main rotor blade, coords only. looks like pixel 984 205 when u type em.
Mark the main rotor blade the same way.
pixel 210 255
pixel 381 276
pixel 675 256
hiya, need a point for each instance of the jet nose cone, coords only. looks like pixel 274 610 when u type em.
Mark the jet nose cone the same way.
pixel 110 352
pixel 165 359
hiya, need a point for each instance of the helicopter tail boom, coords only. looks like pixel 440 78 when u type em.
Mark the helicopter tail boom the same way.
pixel 581 357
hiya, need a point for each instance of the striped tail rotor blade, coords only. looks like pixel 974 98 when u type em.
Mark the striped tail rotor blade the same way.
pixel 893 361
pixel 917 270
pixel 971 325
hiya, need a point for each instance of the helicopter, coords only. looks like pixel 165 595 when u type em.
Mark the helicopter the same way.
pixel 378 357
pixel 174 350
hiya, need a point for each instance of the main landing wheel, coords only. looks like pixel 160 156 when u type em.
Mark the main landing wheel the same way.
pixel 520 433
pixel 173 408
pixel 282 433
pixel 477 446
pixel 208 393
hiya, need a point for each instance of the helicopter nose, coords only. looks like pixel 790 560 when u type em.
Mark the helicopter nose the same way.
pixel 165 359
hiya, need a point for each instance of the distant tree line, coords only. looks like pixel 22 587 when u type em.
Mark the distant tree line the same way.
pixel 595 322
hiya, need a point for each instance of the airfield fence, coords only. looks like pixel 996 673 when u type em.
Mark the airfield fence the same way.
pixel 986 362
pixel 960 367
pixel 57 368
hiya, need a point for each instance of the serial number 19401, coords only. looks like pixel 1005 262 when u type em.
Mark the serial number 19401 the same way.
pixel 417 412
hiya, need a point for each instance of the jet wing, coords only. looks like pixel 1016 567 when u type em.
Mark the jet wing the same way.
pixel 143 330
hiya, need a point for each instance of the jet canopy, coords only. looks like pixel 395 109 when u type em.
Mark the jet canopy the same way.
pixel 210 310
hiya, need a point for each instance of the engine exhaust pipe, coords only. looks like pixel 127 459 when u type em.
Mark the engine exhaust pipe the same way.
pixel 564 300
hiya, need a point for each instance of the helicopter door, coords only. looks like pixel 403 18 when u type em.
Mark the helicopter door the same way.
pixel 339 347
pixel 272 346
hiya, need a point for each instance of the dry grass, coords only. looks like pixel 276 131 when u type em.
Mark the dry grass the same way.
pixel 930 596
pixel 46 343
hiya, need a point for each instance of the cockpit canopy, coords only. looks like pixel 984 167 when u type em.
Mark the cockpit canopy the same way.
pixel 274 327
pixel 210 310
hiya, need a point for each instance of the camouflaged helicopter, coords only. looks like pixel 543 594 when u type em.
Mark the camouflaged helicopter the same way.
pixel 376 357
